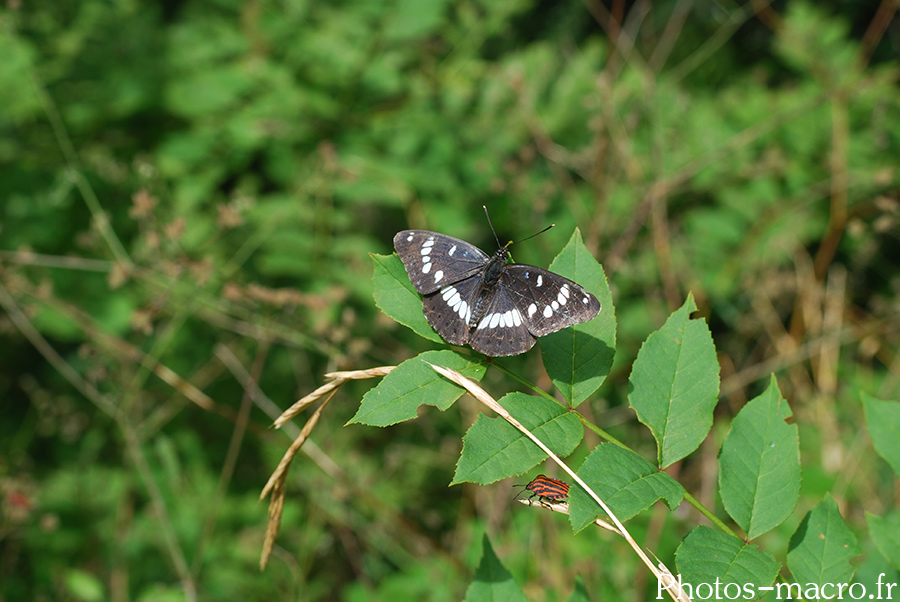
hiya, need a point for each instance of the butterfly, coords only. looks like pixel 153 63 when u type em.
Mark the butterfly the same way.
pixel 495 307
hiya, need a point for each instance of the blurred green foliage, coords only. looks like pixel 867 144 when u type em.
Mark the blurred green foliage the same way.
pixel 189 193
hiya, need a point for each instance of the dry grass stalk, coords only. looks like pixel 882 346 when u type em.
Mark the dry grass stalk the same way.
pixel 339 378
pixel 276 507
pixel 563 508
pixel 277 482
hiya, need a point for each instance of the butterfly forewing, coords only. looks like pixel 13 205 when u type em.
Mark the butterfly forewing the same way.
pixel 548 302
pixel 435 260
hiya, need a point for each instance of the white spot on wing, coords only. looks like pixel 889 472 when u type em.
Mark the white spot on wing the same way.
pixel 409 238
pixel 426 268
pixel 426 249
pixel 561 298
pixel 540 280
pixel 517 317
pixel 565 290
pixel 438 275
pixel 448 292
pixel 585 300
pixel 428 242
pixel 554 305
pixel 531 309
pixel 548 312
pixel 452 250
pixel 495 319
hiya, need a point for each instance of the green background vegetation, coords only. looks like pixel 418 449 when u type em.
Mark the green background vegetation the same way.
pixel 189 192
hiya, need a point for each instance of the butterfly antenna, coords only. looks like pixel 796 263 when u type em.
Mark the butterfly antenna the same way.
pixel 491 225
pixel 510 243
pixel 533 235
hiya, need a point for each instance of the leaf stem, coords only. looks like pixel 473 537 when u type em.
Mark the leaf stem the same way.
pixel 708 514
pixel 522 380
pixel 599 431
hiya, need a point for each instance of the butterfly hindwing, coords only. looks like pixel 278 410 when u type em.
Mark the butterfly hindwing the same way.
pixel 502 331
pixel 547 302
pixel 435 260
pixel 449 309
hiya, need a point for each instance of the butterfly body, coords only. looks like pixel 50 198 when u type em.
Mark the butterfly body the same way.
pixel 497 308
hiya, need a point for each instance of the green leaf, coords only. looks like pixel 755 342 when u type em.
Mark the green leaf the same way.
pixel 877 576
pixel 627 483
pixel 413 19
pixel 675 384
pixel 492 581
pixel 883 422
pixel 18 101
pixel 814 41
pixel 579 358
pixel 209 90
pixel 822 546
pixel 759 465
pixel 413 383
pixel 84 586
pixel 493 449
pixel 395 296
pixel 56 323
pixel 706 556
pixel 885 533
